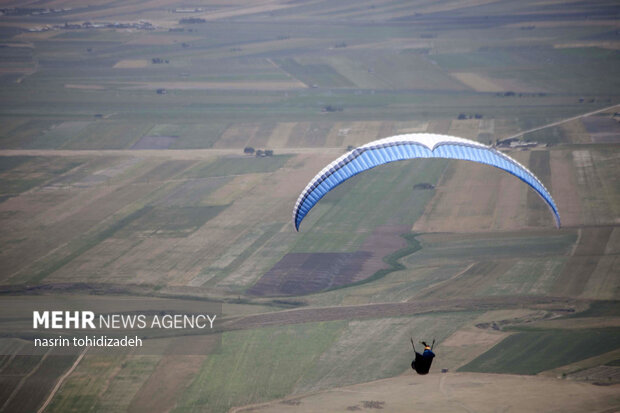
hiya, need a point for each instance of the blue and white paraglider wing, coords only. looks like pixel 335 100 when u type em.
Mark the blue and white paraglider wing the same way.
pixel 410 146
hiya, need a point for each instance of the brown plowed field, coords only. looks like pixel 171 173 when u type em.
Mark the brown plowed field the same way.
pixel 383 241
pixel 306 273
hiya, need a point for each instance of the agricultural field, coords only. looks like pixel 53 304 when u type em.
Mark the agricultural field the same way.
pixel 553 348
pixel 152 151
pixel 473 391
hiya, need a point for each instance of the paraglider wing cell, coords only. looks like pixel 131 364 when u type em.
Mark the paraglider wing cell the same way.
pixel 410 146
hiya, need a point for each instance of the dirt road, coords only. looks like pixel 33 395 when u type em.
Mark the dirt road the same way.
pixel 382 310
pixel 559 122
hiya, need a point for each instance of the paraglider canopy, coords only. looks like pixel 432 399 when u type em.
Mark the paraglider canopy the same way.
pixel 410 146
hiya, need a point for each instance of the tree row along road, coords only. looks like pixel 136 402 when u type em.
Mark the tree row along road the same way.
pixel 160 153
pixel 208 153
pixel 384 310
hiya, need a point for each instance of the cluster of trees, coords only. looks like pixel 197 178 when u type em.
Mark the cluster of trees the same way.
pixel 192 20
pixel 424 185
pixel 332 108
pixel 260 153
pixel 521 94
pixel 469 116
pixel 159 60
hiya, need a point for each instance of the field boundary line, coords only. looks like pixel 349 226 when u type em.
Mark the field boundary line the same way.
pixel 343 389
pixel 290 75
pixel 439 284
pixel 559 122
pixel 61 380
pixel 577 241
pixel 23 380
pixel 11 358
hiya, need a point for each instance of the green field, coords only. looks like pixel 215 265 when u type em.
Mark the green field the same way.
pixel 81 391
pixel 314 74
pixel 244 370
pixel 310 357
pixel 27 379
pixel 531 352
pixel 383 196
pixel 22 173
pixel 240 166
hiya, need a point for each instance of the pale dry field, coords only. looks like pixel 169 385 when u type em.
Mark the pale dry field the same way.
pixel 564 182
pixel 152 40
pixel 110 9
pixel 472 197
pixel 475 198
pixel 611 45
pixel 143 257
pixel 576 132
pixel 573 23
pixel 360 133
pixel 244 9
pixel 452 392
pixel 484 83
pixel 396 44
pixel 465 128
pixel 238 85
pixel 594 173
pixel 394 11
pixel 478 82
pixel 237 136
pixel 84 86
pixel 131 64
pixel 411 126
pixel 280 135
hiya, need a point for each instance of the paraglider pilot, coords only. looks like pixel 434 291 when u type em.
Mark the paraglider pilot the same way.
pixel 422 362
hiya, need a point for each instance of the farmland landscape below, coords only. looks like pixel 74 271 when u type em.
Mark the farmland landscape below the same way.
pixel 152 151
